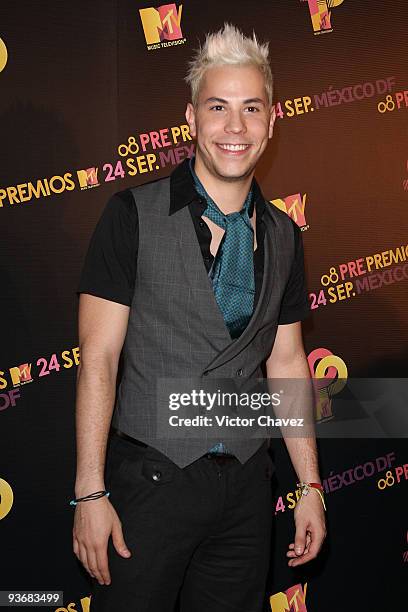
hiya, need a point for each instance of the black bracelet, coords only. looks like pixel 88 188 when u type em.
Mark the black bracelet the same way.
pixel 90 497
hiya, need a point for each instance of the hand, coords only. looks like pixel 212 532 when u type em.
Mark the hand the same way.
pixel 94 522
pixel 310 529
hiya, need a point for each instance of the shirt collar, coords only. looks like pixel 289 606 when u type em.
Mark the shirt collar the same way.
pixel 182 191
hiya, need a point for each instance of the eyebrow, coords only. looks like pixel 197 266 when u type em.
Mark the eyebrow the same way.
pixel 247 101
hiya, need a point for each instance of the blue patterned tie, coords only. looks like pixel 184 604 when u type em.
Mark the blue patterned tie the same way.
pixel 232 272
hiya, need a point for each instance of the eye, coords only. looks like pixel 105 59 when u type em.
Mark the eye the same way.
pixel 216 107
pixel 252 109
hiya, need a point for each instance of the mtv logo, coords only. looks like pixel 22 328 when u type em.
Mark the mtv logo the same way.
pixel 88 178
pixel 294 206
pixel 323 404
pixel 320 14
pixel 330 376
pixel 21 375
pixel 292 600
pixel 161 23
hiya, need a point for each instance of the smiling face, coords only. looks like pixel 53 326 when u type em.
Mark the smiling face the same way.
pixel 231 122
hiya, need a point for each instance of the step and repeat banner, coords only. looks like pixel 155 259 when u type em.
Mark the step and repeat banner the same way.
pixel 92 102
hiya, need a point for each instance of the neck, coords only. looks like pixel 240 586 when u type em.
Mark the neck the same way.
pixel 228 195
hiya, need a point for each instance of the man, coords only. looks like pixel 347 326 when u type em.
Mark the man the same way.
pixel 193 275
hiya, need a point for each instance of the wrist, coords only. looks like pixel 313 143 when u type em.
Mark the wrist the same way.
pixel 310 478
pixel 87 487
pixel 305 489
pixel 91 497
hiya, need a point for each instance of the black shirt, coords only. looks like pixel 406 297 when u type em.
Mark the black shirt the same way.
pixel 109 270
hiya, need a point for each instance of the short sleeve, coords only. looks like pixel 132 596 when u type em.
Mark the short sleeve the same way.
pixel 295 302
pixel 110 263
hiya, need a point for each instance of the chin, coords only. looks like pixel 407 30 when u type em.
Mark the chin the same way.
pixel 233 173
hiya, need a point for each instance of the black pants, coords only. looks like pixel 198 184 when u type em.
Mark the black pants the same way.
pixel 202 532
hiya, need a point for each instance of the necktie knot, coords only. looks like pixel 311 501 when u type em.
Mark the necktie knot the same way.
pixel 229 220
pixel 232 217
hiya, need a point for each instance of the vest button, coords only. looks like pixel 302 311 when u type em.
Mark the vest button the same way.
pixel 240 372
pixel 156 476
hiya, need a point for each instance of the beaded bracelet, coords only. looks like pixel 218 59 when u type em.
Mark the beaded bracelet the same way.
pixel 306 486
pixel 89 497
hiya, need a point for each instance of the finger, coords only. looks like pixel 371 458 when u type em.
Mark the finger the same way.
pixel 314 548
pixel 102 561
pixel 301 560
pixel 118 540
pixel 83 557
pixel 300 539
pixel 75 546
pixel 308 541
pixel 291 554
pixel 93 566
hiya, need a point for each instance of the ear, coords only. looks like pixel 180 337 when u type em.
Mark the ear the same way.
pixel 191 120
pixel 272 121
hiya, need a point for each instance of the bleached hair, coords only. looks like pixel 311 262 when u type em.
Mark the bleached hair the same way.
pixel 229 46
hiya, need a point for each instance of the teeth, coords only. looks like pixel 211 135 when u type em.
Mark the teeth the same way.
pixel 229 147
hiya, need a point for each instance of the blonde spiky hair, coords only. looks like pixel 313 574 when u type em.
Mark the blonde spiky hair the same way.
pixel 229 46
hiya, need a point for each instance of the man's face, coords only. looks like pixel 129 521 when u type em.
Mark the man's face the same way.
pixel 232 121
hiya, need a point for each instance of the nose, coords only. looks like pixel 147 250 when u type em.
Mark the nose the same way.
pixel 235 122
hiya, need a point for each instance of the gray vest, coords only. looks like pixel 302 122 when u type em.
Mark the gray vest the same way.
pixel 176 328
